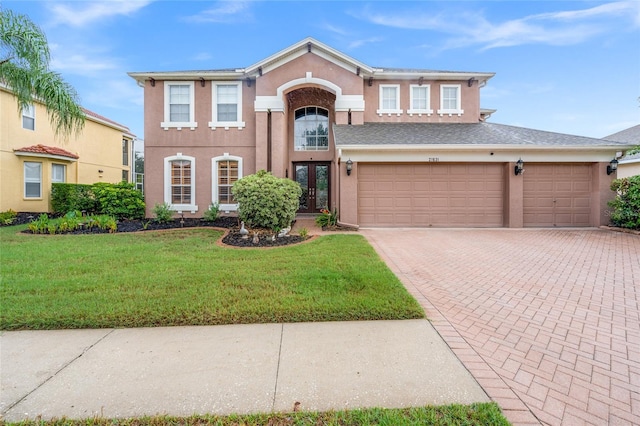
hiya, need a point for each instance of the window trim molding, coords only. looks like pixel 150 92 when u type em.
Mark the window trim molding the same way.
pixel 397 110
pixel 419 111
pixel 214 179
pixel 192 207
pixel 459 111
pixel 24 175
pixel 167 123
pixel 214 123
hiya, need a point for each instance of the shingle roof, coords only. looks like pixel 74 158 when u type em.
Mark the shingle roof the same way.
pixel 630 135
pixel 47 150
pixel 457 134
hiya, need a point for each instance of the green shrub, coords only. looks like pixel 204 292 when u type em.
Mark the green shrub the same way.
pixel 625 211
pixel 121 200
pixel 327 218
pixel 103 222
pixel 163 212
pixel 39 225
pixel 266 201
pixel 212 212
pixel 7 218
pixel 66 197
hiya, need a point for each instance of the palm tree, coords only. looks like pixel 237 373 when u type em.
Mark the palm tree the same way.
pixel 24 69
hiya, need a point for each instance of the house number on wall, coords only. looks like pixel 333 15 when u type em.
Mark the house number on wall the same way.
pixel 434 159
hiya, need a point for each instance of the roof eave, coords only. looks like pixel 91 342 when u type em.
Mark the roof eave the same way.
pixel 475 147
pixel 41 155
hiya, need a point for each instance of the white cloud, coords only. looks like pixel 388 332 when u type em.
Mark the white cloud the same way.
pixel 226 11
pixel 555 28
pixel 91 12
pixel 358 43
pixel 202 56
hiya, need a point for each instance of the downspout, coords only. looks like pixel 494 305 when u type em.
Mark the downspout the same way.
pixel 269 140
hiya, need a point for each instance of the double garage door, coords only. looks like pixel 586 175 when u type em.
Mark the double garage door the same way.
pixel 470 195
pixel 430 195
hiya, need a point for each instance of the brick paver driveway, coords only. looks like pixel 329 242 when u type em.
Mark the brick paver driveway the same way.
pixel 547 320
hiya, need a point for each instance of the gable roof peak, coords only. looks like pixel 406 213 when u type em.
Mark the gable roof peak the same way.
pixel 306 45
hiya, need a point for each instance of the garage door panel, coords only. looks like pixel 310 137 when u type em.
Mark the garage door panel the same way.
pixel 431 194
pixel 557 194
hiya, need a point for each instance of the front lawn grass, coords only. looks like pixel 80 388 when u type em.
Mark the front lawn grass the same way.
pixel 183 277
pixel 485 414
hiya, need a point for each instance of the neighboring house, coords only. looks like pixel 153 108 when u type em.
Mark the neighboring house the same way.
pixel 32 158
pixel 383 146
pixel 629 165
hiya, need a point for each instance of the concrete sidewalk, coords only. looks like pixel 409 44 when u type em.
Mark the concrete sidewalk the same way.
pixel 229 369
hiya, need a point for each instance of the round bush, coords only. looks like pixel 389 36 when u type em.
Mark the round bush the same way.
pixel 266 201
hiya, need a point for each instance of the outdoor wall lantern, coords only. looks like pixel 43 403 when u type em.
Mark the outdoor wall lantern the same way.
pixel 519 169
pixel 349 166
pixel 101 171
pixel 612 167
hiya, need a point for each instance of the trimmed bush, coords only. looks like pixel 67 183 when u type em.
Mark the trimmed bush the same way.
pixel 266 201
pixel 625 211
pixel 120 200
pixel 67 197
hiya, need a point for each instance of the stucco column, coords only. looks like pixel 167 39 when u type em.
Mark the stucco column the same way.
pixel 278 143
pixel 601 193
pixel 513 198
pixel 348 209
pixel 261 140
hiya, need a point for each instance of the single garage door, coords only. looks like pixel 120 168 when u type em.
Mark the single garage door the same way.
pixel 431 194
pixel 557 194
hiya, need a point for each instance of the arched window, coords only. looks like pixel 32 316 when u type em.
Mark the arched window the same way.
pixel 179 182
pixel 227 169
pixel 311 129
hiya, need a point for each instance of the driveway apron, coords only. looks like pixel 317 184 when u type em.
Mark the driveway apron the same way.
pixel 546 320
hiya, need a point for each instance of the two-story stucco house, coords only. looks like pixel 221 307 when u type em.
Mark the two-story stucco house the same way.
pixel 32 158
pixel 385 147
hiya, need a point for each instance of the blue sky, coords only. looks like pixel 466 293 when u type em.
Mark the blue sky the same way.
pixel 562 66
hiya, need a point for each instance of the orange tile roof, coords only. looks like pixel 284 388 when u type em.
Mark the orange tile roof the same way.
pixel 47 150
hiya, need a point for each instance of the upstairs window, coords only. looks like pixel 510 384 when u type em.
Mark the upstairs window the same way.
pixel 29 117
pixel 179 182
pixel 125 152
pixel 450 102
pixel 389 99
pixel 311 129
pixel 420 101
pixel 227 105
pixel 179 105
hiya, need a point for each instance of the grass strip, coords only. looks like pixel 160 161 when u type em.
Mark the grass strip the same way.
pixel 485 414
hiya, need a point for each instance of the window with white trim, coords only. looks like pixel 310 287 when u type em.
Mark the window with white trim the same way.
pixel 32 179
pixel 420 102
pixel 311 129
pixel 389 99
pixel 179 105
pixel 227 169
pixel 226 105
pixel 450 99
pixel 179 182
pixel 29 117
pixel 58 173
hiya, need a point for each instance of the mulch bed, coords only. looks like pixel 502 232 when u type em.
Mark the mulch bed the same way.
pixel 233 237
